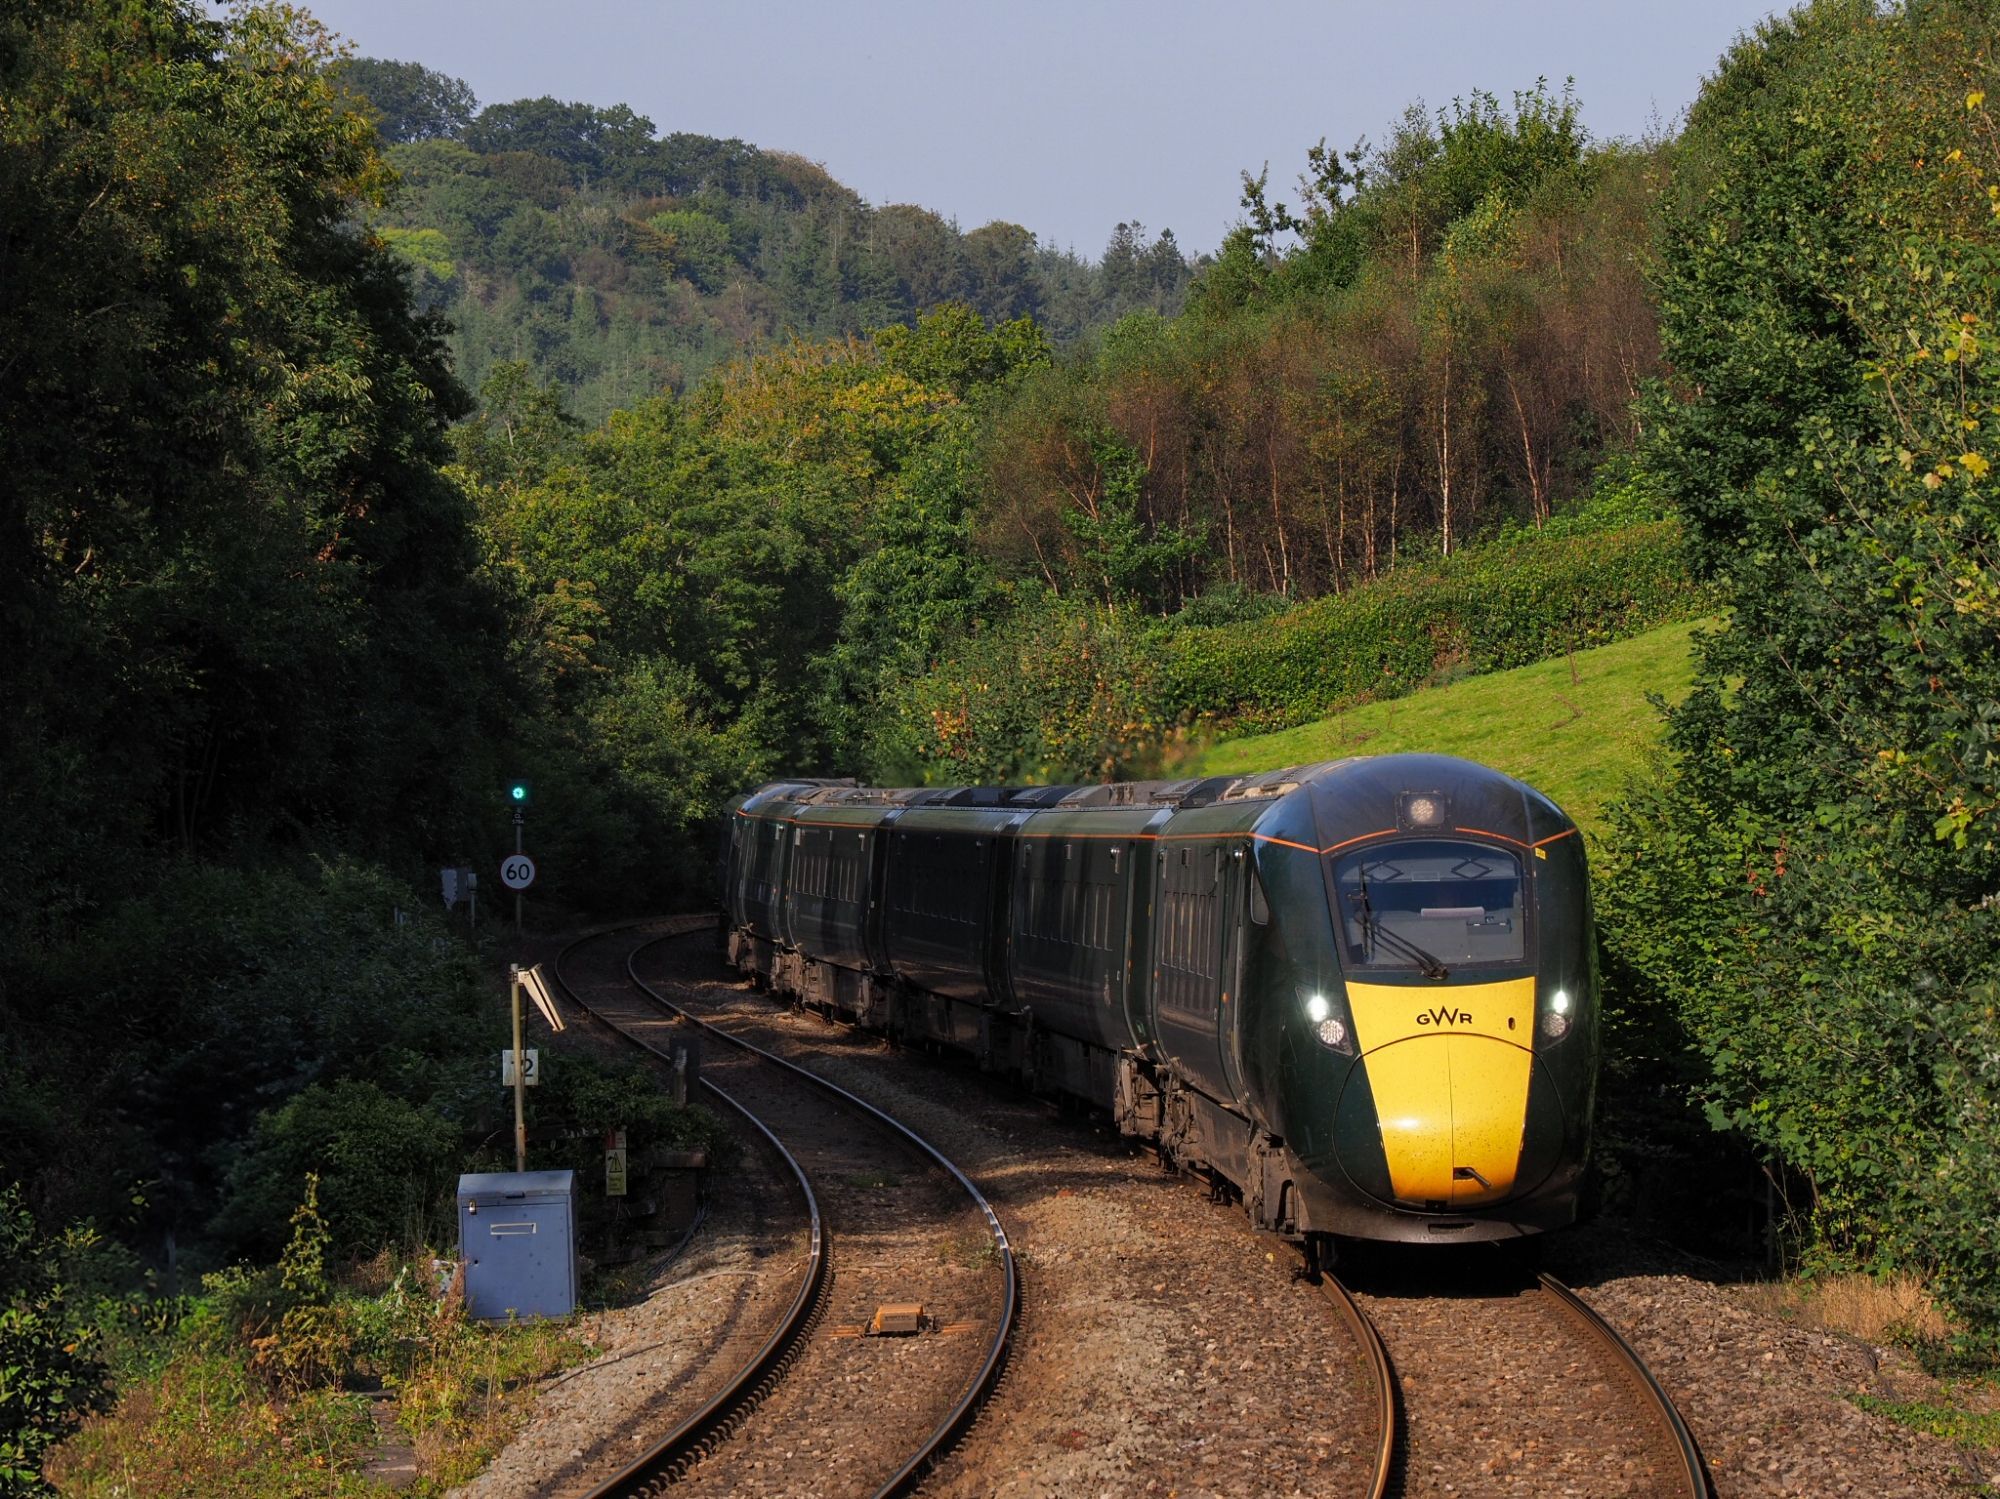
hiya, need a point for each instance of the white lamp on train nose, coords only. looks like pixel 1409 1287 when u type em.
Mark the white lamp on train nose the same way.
pixel 1423 809
pixel 1555 1019
pixel 1331 1030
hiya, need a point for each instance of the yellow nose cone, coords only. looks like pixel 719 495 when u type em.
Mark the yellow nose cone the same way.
pixel 1449 1068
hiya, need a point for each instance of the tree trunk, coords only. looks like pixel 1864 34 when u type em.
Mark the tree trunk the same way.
pixel 1538 495
pixel 1278 515
pixel 1444 453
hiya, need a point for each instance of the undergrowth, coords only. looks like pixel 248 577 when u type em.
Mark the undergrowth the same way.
pixel 1943 1416
pixel 260 1385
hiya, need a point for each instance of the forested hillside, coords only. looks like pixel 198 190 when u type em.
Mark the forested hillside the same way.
pixel 980 544
pixel 620 263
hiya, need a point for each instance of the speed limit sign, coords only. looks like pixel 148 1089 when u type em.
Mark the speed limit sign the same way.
pixel 517 871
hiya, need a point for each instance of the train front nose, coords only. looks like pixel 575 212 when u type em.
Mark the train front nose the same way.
pixel 1437 1116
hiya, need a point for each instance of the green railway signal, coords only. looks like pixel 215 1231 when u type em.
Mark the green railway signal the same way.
pixel 517 793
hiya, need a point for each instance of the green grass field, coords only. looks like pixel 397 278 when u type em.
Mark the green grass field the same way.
pixel 1575 736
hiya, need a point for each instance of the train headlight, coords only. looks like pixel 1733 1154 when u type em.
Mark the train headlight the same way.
pixel 1329 1027
pixel 1422 809
pixel 1555 1019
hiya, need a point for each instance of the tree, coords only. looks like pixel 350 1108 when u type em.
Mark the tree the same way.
pixel 241 597
pixel 595 142
pixel 409 101
pixel 924 251
pixel 1809 891
pixel 952 348
pixel 999 266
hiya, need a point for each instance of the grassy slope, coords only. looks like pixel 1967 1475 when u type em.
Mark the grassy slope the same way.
pixel 1575 740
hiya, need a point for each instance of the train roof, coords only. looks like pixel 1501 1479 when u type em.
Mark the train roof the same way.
pixel 1191 791
pixel 1344 792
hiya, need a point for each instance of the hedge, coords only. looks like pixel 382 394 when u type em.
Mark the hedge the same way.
pixel 1507 603
pixel 1070 690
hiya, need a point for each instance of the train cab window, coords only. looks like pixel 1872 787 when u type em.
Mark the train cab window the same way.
pixel 1421 902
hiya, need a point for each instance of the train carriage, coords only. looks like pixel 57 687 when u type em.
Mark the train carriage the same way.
pixel 1360 994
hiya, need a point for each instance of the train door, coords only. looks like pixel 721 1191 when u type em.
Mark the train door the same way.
pixel 1190 990
pixel 1232 891
pixel 878 894
pixel 1133 1019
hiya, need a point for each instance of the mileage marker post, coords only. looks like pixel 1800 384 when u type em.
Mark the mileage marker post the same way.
pixel 530 979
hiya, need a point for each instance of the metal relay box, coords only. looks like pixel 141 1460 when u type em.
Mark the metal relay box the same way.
pixel 517 1237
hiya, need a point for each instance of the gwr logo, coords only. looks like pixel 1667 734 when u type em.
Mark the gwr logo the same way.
pixel 1443 1016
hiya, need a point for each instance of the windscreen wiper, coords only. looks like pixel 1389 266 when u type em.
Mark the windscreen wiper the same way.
pixel 1372 931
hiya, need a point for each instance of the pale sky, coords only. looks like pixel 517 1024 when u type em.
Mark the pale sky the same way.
pixel 1063 117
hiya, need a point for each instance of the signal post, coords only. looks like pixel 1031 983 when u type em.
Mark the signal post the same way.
pixel 517 870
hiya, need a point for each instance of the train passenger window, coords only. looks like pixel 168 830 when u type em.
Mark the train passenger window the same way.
pixel 1424 901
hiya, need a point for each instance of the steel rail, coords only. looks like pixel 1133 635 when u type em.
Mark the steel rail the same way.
pixel 1699 1484
pixel 673 1453
pixel 961 1413
pixel 1376 1356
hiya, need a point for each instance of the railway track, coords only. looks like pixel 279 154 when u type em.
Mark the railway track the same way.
pixel 1504 1386
pixel 822 1404
pixel 1374 1358
pixel 1177 1444
pixel 1518 1388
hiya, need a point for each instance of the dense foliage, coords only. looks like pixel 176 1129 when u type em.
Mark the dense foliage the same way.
pixel 621 264
pixel 241 600
pixel 252 664
pixel 964 532
pixel 50 1373
pixel 1811 892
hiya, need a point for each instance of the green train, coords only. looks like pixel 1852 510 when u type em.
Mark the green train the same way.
pixel 1359 995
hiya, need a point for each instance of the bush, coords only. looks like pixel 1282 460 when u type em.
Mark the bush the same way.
pixel 580 1100
pixel 214 998
pixel 1484 609
pixel 382 1165
pixel 246 1399
pixel 50 1377
pixel 1834 1020
pixel 1060 691
pixel 1812 893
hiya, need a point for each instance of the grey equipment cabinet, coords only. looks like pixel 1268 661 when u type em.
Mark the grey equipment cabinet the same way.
pixel 517 1236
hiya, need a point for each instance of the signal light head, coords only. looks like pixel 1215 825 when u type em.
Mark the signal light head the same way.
pixel 517 792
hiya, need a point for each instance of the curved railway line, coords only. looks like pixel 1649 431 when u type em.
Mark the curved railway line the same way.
pixel 814 1407
pixel 1600 1422
pixel 1381 1378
